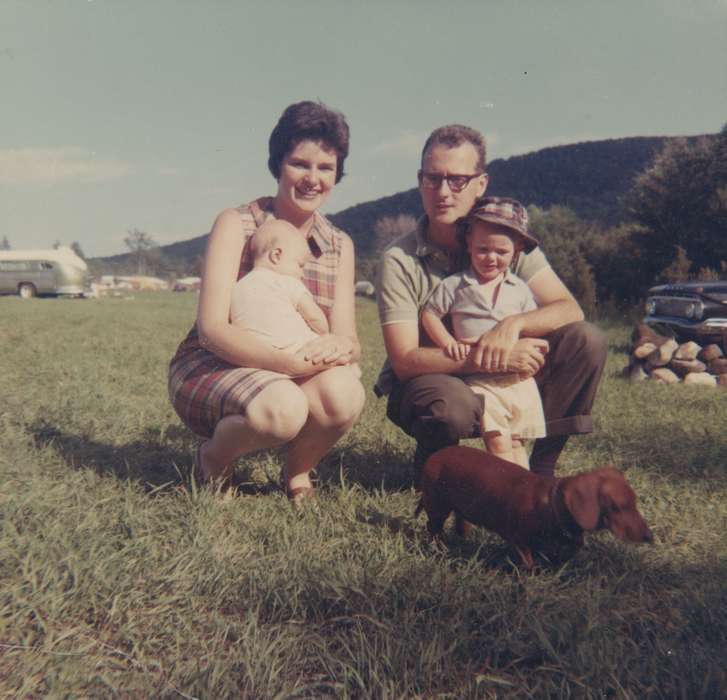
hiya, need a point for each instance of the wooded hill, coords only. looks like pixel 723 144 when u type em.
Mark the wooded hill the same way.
pixel 590 178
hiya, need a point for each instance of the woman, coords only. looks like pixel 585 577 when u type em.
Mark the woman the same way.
pixel 236 391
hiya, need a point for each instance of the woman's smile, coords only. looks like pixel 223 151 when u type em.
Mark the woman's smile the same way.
pixel 307 176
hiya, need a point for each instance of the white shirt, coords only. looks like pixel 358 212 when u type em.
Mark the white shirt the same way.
pixel 265 303
pixel 469 303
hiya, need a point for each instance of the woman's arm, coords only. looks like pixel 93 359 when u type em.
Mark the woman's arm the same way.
pixel 216 333
pixel 341 346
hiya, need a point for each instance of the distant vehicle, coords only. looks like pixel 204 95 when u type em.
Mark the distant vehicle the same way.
pixel 689 310
pixel 365 289
pixel 30 273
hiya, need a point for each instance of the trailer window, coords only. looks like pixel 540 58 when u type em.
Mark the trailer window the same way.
pixel 14 265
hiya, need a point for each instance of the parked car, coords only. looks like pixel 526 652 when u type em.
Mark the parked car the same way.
pixel 689 311
pixel 36 272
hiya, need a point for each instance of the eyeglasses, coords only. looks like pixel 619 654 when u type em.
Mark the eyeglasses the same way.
pixel 456 183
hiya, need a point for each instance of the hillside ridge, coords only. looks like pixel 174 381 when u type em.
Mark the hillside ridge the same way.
pixel 589 177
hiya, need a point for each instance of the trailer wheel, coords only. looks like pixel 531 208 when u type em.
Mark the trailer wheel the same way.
pixel 26 290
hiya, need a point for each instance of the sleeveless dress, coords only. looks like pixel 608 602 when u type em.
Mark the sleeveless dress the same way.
pixel 203 387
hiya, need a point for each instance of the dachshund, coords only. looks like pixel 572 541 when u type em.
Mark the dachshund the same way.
pixel 530 512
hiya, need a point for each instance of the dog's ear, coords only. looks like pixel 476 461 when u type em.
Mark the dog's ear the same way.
pixel 581 498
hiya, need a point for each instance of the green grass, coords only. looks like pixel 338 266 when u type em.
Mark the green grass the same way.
pixel 118 580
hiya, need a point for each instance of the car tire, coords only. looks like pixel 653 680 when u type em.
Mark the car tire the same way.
pixel 26 290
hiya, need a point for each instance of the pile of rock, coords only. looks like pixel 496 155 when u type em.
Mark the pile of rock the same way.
pixel 664 360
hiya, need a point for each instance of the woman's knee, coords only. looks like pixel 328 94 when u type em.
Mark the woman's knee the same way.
pixel 279 411
pixel 338 397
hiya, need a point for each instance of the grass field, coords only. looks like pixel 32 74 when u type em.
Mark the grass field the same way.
pixel 118 580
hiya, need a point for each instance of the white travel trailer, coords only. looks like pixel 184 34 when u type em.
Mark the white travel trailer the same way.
pixel 34 272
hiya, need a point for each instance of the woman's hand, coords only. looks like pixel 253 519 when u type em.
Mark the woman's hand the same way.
pixel 328 349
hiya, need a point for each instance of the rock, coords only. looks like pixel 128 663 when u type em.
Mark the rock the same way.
pixel 718 365
pixel 643 334
pixel 661 356
pixel 662 375
pixel 710 352
pixel 683 367
pixel 635 372
pixel 701 378
pixel 642 351
pixel 687 351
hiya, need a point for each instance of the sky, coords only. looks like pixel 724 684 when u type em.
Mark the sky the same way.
pixel 155 115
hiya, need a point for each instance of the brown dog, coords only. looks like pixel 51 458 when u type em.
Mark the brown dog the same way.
pixel 531 512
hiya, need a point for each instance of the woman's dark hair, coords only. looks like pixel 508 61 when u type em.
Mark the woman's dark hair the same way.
pixel 308 121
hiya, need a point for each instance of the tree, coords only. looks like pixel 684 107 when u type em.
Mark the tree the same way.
pixel 386 230
pixel 615 258
pixel 389 228
pixel 566 240
pixel 681 201
pixel 678 269
pixel 5 244
pixel 141 245
pixel 584 286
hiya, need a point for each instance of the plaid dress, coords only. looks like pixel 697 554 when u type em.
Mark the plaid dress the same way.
pixel 203 387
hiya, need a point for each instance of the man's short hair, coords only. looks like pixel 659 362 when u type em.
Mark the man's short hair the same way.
pixel 454 135
pixel 308 121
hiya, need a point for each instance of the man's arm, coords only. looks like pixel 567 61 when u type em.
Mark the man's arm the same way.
pixel 556 307
pixel 399 307
pixel 409 360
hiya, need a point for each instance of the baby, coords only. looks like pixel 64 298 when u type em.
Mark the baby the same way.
pixel 271 300
pixel 476 300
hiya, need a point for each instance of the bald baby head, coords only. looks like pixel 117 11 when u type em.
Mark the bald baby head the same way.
pixel 279 246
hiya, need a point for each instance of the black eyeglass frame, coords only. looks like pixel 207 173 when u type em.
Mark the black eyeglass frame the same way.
pixel 456 183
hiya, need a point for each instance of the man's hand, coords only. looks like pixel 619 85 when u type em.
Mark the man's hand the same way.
pixel 492 350
pixel 528 356
pixel 525 357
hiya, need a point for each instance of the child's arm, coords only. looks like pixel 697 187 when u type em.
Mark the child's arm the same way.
pixel 442 338
pixel 312 314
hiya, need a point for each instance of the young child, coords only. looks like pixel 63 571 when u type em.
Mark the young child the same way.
pixel 476 300
pixel 271 300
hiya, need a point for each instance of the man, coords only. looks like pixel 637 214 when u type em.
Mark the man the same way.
pixel 426 397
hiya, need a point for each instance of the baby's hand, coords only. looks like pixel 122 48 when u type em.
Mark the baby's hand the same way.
pixel 456 350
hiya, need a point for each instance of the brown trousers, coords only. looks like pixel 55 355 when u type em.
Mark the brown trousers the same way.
pixel 439 410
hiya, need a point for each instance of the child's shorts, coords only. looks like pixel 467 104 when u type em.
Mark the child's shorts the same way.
pixel 512 406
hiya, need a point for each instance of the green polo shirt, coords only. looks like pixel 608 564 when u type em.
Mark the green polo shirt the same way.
pixel 409 270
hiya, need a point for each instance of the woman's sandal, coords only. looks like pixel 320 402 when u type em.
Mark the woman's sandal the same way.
pixel 199 480
pixel 219 483
pixel 299 495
